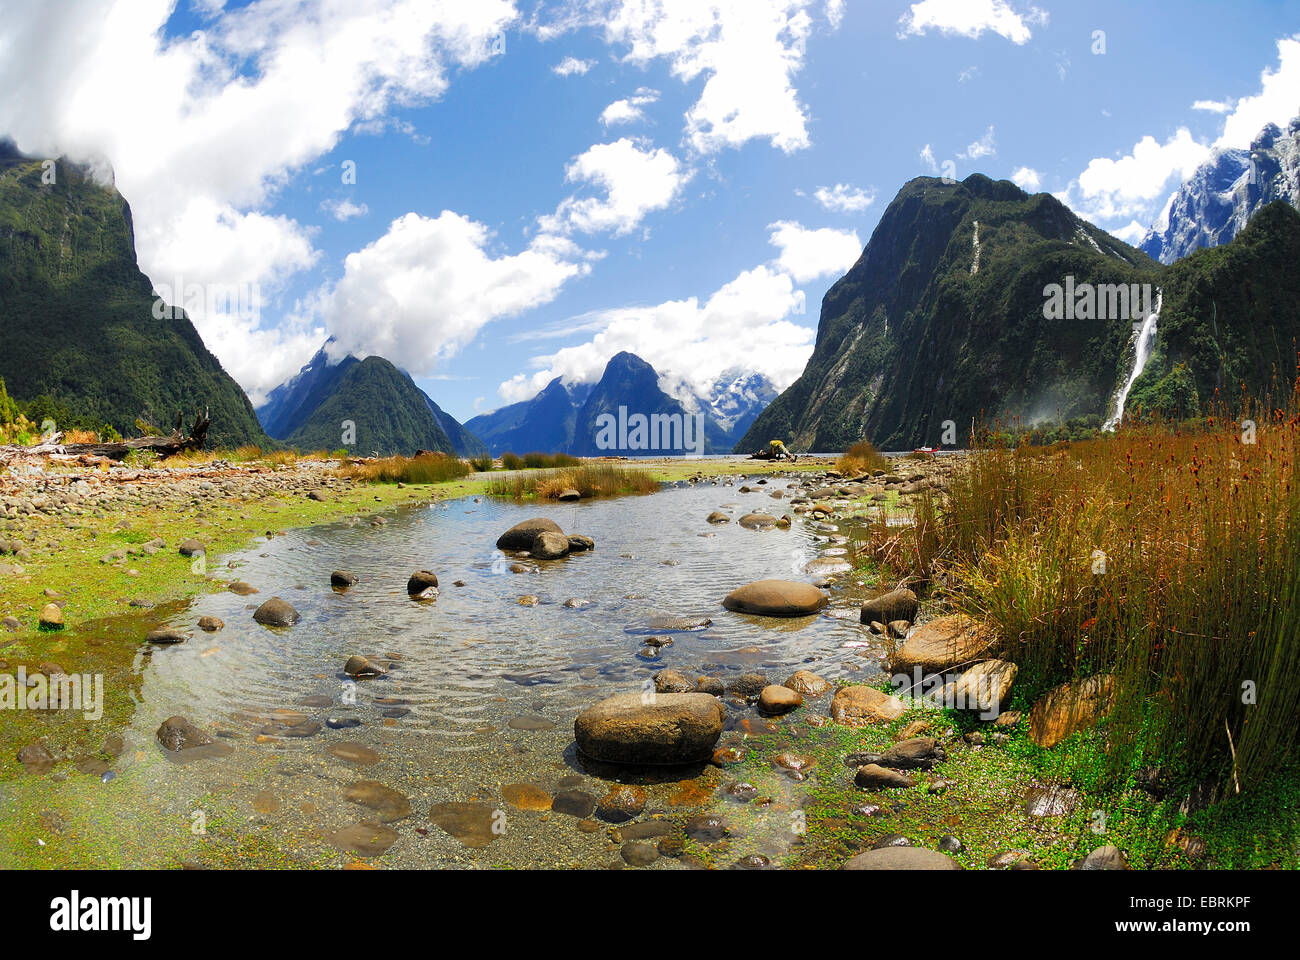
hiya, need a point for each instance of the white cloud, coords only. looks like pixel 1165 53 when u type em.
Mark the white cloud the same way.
pixel 927 157
pixel 203 130
pixel 844 198
pixel 985 146
pixel 747 52
pixel 1027 179
pixel 636 180
pixel 1130 234
pixel 967 75
pixel 835 13
pixel 1277 101
pixel 630 109
pixel 971 18
pixel 344 209
pixel 572 66
pixel 1128 186
pixel 809 254
pixel 690 343
pixel 422 291
pixel 1213 106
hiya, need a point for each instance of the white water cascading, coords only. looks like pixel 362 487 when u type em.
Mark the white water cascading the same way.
pixel 1146 341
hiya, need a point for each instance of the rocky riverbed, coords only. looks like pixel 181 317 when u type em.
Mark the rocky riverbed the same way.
pixel 698 678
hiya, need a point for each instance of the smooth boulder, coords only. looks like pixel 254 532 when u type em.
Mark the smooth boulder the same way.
pixel 942 645
pixel 861 706
pixel 522 535
pixel 902 858
pixel 776 598
pixel 276 613
pixel 666 728
pixel 1069 708
pixel 422 585
pixel 894 605
pixel 549 545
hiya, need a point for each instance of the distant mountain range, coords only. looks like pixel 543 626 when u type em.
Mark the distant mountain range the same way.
pixel 569 418
pixel 369 406
pixel 83 337
pixel 1225 192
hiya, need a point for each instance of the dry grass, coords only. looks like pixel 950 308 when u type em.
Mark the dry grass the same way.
pixel 589 479
pixel 861 458
pixel 1168 558
pixel 434 468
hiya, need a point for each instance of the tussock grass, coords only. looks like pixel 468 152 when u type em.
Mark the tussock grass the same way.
pixel 538 461
pixel 589 479
pixel 434 468
pixel 1166 557
pixel 481 464
pixel 861 458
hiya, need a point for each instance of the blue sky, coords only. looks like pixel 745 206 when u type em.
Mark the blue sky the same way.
pixel 688 190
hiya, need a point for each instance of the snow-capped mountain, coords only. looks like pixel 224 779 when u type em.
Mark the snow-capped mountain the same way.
pixel 1219 199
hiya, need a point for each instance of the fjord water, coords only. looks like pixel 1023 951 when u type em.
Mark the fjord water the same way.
pixel 482 690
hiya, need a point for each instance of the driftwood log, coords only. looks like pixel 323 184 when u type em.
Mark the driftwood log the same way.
pixel 163 446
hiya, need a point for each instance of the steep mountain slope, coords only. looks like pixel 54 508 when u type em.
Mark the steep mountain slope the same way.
pixel 942 319
pixel 633 385
pixel 1230 321
pixel 389 412
pixel 545 423
pixel 1225 192
pixel 77 315
pixel 295 402
pixel 462 440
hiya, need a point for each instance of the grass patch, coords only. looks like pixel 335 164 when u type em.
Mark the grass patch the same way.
pixel 431 468
pixel 861 458
pixel 589 479
pixel 538 461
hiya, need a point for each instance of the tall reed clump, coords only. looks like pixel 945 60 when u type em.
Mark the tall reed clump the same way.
pixel 860 458
pixel 481 464
pixel 589 479
pixel 1166 558
pixel 435 468
pixel 538 461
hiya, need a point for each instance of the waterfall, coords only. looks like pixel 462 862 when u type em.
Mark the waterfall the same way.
pixel 1146 341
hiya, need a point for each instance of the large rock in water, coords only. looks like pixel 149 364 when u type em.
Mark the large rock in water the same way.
pixel 549 545
pixel 776 598
pixel 902 858
pixel 942 645
pixel 668 728
pixel 276 613
pixel 1069 708
pixel 894 605
pixel 522 535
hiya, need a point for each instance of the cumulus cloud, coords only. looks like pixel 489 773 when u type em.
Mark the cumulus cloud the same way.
pixel 844 198
pixel 747 52
pixel 809 254
pixel 203 130
pixel 689 342
pixel 1128 186
pixel 344 209
pixel 629 109
pixel 636 179
pixel 971 18
pixel 1027 179
pixel 572 67
pixel 1213 106
pixel 1277 102
pixel 425 288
